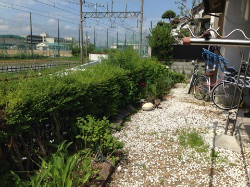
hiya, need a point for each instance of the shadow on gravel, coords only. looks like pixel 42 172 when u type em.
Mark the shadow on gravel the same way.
pixel 211 175
pixel 243 156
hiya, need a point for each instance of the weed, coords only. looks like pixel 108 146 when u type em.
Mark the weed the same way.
pixel 179 157
pixel 176 132
pixel 232 164
pixel 214 154
pixel 193 140
pixel 144 167
pixel 203 103
pixel 153 133
pixel 127 118
pixel 137 127
pixel 118 127
pixel 186 121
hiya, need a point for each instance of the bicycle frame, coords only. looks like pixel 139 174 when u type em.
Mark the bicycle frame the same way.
pixel 219 80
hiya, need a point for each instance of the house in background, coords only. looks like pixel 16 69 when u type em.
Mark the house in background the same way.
pixel 202 21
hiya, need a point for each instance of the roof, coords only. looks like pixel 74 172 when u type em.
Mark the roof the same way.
pixel 214 6
pixel 49 44
pixel 11 36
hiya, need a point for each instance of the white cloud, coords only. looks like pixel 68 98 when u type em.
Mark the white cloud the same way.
pixel 51 21
pixel 4 27
pixel 24 16
pixel 25 29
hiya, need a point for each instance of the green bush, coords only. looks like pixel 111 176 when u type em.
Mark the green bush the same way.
pixel 63 169
pixel 96 134
pixel 39 113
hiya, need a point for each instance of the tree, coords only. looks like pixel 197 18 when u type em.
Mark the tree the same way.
pixel 161 42
pixel 75 49
pixel 185 10
pixel 168 15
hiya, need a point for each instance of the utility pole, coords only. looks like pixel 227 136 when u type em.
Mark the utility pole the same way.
pixel 107 38
pixel 79 37
pixel 117 41
pixel 86 46
pixel 125 41
pixel 141 23
pixel 94 37
pixel 58 38
pixel 81 32
pixel 31 42
pixel 133 40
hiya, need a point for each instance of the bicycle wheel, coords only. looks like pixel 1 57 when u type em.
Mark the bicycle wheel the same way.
pixel 191 84
pixel 201 87
pixel 223 93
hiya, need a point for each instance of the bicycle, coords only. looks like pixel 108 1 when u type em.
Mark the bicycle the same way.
pixel 193 77
pixel 222 91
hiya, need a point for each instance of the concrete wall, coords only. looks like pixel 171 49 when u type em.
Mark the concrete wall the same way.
pixel 185 67
pixel 38 52
pixel 97 57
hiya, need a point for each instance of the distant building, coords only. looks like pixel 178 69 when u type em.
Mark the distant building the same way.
pixel 52 46
pixel 44 40
pixel 36 39
pixel 123 46
pixel 12 42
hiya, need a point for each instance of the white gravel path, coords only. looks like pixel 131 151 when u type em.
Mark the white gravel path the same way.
pixel 155 157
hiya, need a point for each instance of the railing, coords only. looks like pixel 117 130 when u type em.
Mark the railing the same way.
pixel 16 68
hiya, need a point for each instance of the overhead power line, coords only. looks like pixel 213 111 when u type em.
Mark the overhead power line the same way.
pixel 47 13
pixel 38 14
pixel 56 7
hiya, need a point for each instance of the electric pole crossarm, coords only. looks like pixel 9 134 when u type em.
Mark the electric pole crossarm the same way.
pixel 111 14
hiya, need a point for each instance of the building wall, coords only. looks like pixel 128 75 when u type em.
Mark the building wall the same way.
pixel 237 16
pixel 38 52
pixel 97 57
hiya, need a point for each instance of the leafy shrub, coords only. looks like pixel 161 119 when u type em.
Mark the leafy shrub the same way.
pixel 96 134
pixel 63 169
pixel 38 113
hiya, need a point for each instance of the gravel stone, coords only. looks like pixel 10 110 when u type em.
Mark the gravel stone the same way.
pixel 155 157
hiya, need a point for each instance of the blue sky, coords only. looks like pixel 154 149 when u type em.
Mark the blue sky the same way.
pixel 14 17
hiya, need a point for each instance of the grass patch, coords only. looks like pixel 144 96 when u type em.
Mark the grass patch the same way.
pixel 194 140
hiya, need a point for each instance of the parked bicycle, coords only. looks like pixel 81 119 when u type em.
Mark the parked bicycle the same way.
pixel 222 91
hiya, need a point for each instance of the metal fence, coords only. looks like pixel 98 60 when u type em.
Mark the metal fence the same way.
pixel 188 52
pixel 17 68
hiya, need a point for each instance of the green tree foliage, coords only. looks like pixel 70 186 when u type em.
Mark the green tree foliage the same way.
pixel 75 49
pixel 168 15
pixel 38 113
pixel 161 42
pixel 183 33
pixel 96 134
pixel 186 10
